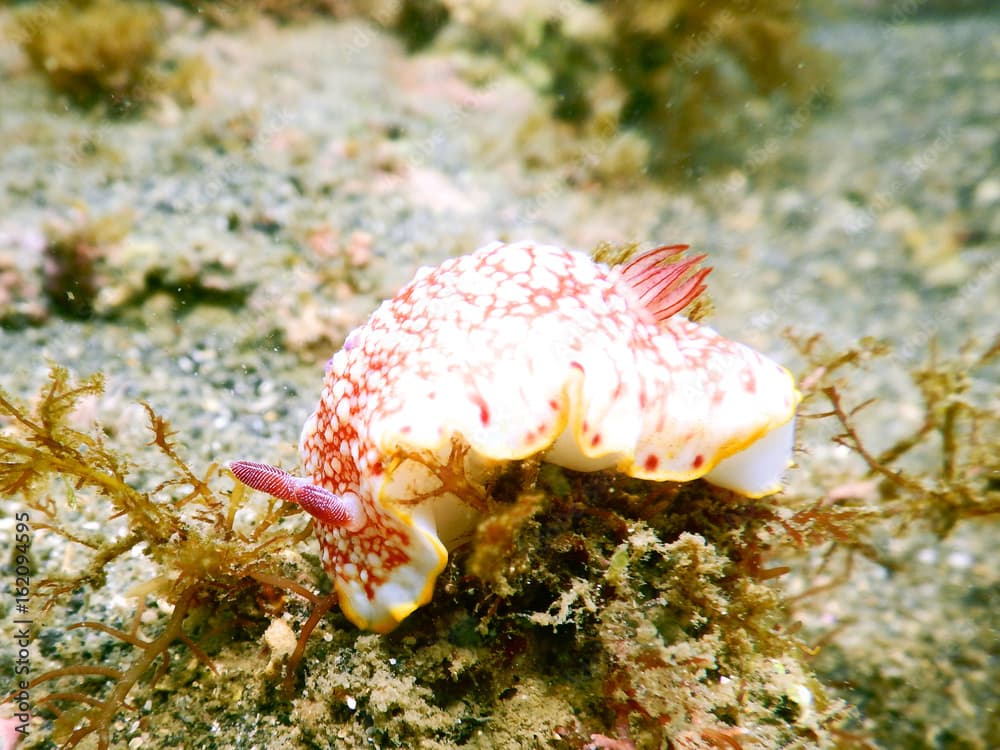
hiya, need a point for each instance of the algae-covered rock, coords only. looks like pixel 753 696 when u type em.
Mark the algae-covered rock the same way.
pixel 581 622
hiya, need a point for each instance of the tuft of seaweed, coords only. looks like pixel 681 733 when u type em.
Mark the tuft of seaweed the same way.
pixel 956 477
pixel 212 569
pixel 105 53
pixel 95 52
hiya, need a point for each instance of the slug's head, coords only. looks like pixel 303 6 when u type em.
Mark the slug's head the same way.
pixel 383 560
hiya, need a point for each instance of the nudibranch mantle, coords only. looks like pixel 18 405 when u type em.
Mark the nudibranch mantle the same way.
pixel 508 352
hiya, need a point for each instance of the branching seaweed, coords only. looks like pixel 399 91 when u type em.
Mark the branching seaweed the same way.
pixel 958 437
pixel 207 561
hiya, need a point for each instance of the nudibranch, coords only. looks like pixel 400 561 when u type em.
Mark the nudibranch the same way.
pixel 519 350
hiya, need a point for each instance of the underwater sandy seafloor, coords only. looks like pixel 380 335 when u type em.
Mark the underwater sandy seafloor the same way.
pixel 321 166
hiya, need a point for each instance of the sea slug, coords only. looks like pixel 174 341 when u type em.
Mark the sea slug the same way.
pixel 508 352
